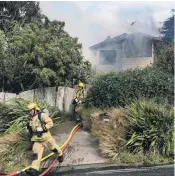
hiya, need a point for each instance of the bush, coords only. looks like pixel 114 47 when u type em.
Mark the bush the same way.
pixel 14 150
pixel 150 128
pixel 117 142
pixel 119 89
pixel 13 116
pixel 110 135
pixel 165 57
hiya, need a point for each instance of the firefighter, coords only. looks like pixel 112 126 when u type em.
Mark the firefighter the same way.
pixel 79 98
pixel 38 126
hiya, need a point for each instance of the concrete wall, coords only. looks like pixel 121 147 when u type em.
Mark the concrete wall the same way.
pixel 60 97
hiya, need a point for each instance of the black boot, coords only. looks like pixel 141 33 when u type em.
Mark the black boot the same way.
pixel 32 172
pixel 60 159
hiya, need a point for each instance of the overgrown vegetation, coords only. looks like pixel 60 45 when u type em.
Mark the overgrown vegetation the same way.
pixel 14 150
pixel 140 133
pixel 150 128
pixel 14 116
pixel 119 89
pixel 110 135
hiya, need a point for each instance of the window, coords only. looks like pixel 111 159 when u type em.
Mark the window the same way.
pixel 107 57
pixel 138 48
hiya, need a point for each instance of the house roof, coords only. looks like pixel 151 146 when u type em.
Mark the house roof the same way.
pixel 121 38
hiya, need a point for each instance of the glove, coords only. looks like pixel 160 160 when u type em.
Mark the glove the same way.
pixel 60 159
pixel 32 171
pixel 76 100
pixel 80 102
pixel 83 101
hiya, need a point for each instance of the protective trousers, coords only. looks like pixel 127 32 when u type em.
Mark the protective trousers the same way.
pixel 38 149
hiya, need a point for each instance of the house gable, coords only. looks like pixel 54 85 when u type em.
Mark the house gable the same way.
pixel 124 51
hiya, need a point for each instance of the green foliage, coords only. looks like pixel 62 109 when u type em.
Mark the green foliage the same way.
pixel 150 128
pixel 119 89
pixel 21 11
pixel 165 57
pixel 36 52
pixel 168 27
pixel 13 116
pixel 42 54
pixel 112 136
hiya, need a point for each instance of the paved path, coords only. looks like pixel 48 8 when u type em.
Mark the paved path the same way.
pixel 83 149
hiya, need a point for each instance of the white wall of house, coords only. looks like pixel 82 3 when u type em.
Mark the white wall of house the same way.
pixel 128 63
pixel 122 63
pixel 140 62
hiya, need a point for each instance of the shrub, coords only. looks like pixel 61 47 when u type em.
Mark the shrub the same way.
pixel 114 136
pixel 150 128
pixel 165 56
pixel 14 150
pixel 13 116
pixel 110 135
pixel 119 89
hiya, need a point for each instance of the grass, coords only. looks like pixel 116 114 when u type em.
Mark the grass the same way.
pixel 109 135
pixel 14 149
pixel 140 116
pixel 137 159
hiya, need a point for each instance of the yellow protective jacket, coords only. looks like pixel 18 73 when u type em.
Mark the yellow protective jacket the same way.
pixel 35 122
pixel 80 94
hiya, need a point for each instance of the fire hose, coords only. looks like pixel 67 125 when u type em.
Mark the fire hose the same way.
pixel 63 147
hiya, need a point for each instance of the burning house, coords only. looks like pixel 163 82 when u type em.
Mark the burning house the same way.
pixel 123 52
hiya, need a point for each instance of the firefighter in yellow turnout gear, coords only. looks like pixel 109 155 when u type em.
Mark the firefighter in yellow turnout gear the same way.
pixel 38 126
pixel 80 94
pixel 79 98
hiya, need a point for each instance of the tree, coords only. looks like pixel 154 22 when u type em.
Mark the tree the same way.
pixel 42 54
pixel 164 52
pixel 168 28
pixel 20 11
pixel 3 56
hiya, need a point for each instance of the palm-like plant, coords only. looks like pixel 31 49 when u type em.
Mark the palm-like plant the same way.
pixel 150 128
pixel 13 116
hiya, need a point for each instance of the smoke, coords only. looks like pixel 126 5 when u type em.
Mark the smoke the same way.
pixel 93 21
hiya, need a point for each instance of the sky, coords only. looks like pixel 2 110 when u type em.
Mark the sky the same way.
pixel 93 21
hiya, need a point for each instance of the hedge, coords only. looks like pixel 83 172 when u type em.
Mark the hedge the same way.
pixel 119 89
